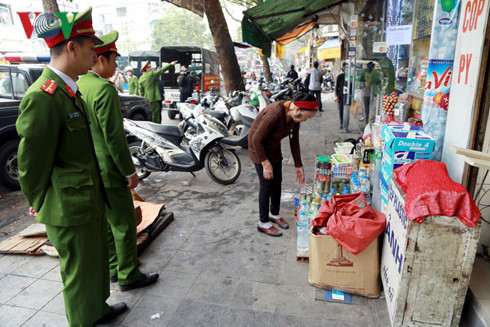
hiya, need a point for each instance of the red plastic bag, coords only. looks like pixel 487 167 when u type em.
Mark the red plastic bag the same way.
pixel 351 221
pixel 429 191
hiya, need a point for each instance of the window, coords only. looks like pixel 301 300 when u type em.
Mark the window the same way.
pixel 20 84
pixel 121 12
pixel 5 85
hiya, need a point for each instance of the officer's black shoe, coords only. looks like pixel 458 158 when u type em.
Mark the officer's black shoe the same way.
pixel 114 279
pixel 145 280
pixel 116 310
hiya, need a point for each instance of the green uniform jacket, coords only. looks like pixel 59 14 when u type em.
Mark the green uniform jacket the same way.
pixel 133 85
pixel 58 170
pixel 149 84
pixel 104 111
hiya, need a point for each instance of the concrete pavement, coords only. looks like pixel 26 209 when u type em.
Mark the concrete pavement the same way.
pixel 215 268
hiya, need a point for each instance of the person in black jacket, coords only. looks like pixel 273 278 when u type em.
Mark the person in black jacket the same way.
pixel 339 93
pixel 292 73
pixel 186 84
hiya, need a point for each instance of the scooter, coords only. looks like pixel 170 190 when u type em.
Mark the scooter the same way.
pixel 328 84
pixel 246 114
pixel 159 149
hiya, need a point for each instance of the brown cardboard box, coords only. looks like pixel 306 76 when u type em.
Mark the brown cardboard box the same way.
pixel 333 267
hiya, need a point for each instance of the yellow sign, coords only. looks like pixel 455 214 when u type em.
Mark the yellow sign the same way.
pixel 329 53
pixel 279 51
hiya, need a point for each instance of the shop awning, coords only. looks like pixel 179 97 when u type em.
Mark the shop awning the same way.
pixel 273 19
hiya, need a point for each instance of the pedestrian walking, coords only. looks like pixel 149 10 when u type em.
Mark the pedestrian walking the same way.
pixel 116 164
pixel 275 122
pixel 367 90
pixel 59 173
pixel 149 89
pixel 315 85
pixel 339 94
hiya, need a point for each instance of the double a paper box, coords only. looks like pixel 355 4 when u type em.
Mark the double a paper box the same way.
pixel 406 137
pixel 333 267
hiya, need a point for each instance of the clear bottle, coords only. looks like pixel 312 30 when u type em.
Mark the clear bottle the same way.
pixel 346 190
pixel 366 188
pixel 303 230
pixel 314 209
pixel 330 194
pixel 357 187
pixel 324 198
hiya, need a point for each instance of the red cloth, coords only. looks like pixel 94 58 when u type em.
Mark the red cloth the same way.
pixel 351 221
pixel 429 191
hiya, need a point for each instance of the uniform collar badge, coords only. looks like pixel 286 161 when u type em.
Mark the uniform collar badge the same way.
pixel 70 91
pixel 49 87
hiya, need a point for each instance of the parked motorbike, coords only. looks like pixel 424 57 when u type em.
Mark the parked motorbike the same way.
pixel 159 148
pixel 246 114
pixel 328 84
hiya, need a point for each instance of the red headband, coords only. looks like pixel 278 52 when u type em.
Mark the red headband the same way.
pixel 309 105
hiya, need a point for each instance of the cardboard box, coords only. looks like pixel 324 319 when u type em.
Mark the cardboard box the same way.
pixel 406 137
pixel 333 267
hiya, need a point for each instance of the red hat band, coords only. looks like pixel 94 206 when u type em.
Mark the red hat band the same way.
pixel 309 105
pixel 82 28
pixel 107 48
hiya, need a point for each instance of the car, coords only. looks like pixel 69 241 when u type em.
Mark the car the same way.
pixel 14 82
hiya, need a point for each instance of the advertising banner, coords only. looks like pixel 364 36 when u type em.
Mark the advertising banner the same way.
pixel 441 56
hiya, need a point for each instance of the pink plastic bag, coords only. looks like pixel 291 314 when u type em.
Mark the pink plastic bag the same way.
pixel 351 221
pixel 429 191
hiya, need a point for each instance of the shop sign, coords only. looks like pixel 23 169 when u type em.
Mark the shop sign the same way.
pixel 329 53
pixel 474 18
pixel 353 22
pixel 394 247
pixel 399 35
pixel 380 47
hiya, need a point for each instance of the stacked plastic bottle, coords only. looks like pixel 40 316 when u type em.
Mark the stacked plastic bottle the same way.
pixel 366 188
pixel 303 231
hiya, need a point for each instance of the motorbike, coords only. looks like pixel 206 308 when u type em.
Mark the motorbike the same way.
pixel 328 84
pixel 245 114
pixel 158 148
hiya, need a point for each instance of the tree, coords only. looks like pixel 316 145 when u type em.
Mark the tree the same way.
pixel 50 6
pixel 224 45
pixel 265 61
pixel 179 27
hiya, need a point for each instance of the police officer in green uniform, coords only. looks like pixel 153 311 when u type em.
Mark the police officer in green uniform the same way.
pixel 59 173
pixel 118 173
pixel 149 89
pixel 133 82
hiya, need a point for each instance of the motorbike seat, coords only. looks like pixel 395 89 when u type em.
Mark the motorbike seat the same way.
pixel 167 130
pixel 220 115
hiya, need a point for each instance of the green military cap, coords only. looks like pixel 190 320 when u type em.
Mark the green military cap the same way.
pixel 48 26
pixel 109 43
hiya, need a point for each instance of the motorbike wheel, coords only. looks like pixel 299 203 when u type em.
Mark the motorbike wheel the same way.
pixel 133 150
pixel 220 173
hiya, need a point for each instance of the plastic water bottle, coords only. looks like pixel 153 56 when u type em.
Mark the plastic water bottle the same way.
pixel 314 209
pixel 366 188
pixel 346 190
pixel 303 230
pixel 324 198
pixel 330 194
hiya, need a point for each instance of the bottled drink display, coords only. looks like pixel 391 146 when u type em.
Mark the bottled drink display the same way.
pixel 330 194
pixel 303 230
pixel 366 188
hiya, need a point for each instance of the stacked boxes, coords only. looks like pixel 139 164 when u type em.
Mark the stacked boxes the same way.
pixel 403 143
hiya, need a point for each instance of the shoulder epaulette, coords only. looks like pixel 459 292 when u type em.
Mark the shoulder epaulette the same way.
pixel 49 87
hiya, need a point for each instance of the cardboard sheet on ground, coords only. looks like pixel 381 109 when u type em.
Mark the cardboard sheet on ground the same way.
pixel 150 212
pixel 22 245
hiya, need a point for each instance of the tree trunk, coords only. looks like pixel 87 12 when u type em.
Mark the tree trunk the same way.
pixel 265 62
pixel 266 69
pixel 224 46
pixel 50 6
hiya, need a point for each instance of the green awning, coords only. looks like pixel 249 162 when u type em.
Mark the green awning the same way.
pixel 272 19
